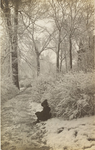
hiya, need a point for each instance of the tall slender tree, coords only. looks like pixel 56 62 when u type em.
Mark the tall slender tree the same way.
pixel 12 26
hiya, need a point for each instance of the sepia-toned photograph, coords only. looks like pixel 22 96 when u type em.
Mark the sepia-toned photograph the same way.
pixel 47 74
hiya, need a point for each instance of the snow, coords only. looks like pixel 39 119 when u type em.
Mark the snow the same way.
pixel 74 134
pixel 20 131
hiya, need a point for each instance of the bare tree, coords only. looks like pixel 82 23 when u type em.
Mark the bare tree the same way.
pixel 34 30
pixel 57 14
pixel 85 37
pixel 12 25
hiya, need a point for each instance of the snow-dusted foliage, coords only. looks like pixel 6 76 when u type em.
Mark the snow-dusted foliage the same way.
pixel 69 96
pixel 41 86
pixel 8 89
pixel 24 83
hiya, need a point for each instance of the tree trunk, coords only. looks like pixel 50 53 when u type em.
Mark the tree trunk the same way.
pixel 57 61
pixel 66 60
pixel 14 47
pixel 70 50
pixel 7 13
pixel 12 33
pixel 57 54
pixel 38 65
pixel 61 65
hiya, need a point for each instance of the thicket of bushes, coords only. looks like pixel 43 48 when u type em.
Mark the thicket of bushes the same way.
pixel 8 89
pixel 69 96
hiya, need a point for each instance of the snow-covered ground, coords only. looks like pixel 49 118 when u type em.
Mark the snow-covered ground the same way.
pixel 75 134
pixel 20 133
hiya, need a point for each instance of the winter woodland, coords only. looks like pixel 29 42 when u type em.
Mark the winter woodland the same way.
pixel 47 53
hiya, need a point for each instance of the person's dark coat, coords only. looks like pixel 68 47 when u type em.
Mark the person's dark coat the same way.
pixel 45 114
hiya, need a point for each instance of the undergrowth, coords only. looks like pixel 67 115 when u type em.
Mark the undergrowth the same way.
pixel 8 89
pixel 70 96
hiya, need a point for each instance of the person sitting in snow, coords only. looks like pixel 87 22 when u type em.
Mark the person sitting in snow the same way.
pixel 45 114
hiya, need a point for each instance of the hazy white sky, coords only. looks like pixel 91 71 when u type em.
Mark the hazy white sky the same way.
pixel 48 24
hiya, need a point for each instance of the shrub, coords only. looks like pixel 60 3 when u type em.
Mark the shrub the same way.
pixel 69 96
pixel 25 83
pixel 72 95
pixel 8 89
pixel 39 86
